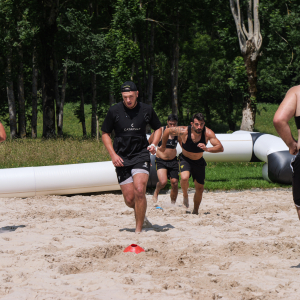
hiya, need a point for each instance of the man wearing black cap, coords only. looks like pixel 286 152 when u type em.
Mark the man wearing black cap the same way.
pixel 130 150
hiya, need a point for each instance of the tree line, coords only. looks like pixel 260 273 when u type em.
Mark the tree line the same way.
pixel 214 56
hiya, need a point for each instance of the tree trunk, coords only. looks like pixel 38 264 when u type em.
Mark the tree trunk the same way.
pixel 11 98
pixel 132 70
pixel 82 114
pixel 34 94
pixel 94 105
pixel 174 71
pixel 250 43
pixel 44 98
pixel 138 74
pixel 60 111
pixel 111 98
pixel 151 67
pixel 249 103
pixel 94 121
pixel 57 96
pixel 144 90
pixel 207 113
pixel 21 97
pixel 139 82
pixel 229 112
pixel 47 37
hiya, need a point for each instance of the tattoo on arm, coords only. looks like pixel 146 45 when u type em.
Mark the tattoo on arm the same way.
pixel 178 131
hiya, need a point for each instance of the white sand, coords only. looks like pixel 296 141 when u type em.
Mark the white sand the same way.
pixel 243 245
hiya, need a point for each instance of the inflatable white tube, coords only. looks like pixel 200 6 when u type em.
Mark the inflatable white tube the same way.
pixel 267 144
pixel 58 180
pixel 237 148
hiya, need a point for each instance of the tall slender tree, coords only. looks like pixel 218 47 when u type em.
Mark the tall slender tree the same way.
pixel 48 30
pixel 250 43
pixel 11 97
pixel 35 73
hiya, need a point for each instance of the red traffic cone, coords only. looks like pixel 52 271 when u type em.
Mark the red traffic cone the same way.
pixel 134 248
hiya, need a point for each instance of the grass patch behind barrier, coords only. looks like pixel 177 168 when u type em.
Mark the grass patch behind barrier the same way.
pixel 264 119
pixel 234 176
pixel 29 152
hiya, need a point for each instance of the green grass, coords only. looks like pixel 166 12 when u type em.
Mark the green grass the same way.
pixel 29 152
pixel 237 176
pixel 71 127
pixel 264 119
pixel 74 149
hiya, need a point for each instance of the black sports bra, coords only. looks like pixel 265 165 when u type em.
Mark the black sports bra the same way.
pixel 190 146
pixel 171 144
pixel 297 120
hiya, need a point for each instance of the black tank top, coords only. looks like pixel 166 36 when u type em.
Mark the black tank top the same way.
pixel 171 144
pixel 190 146
pixel 297 120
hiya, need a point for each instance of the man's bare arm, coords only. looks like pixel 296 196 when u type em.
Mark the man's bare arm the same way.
pixel 2 133
pixel 157 136
pixel 155 141
pixel 175 131
pixel 216 144
pixel 116 159
pixel 150 140
pixel 284 113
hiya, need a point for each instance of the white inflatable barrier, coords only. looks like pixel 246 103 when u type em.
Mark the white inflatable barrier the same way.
pixel 240 146
pixel 58 180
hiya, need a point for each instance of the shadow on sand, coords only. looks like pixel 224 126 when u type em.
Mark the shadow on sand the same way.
pixel 10 228
pixel 157 228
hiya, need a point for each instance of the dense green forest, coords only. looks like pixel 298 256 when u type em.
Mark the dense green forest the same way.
pixel 184 56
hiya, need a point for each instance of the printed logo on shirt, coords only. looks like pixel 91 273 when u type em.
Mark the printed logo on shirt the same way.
pixel 145 165
pixel 132 128
pixel 181 166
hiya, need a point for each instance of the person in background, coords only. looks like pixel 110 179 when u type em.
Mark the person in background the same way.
pixel 193 140
pixel 289 108
pixel 167 163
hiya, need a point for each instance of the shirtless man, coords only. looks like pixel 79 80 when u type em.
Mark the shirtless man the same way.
pixel 193 140
pixel 130 151
pixel 167 163
pixel 2 133
pixel 289 108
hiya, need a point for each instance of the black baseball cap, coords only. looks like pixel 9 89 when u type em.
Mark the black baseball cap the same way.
pixel 128 86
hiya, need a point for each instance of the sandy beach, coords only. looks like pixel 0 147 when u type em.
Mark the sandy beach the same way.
pixel 242 245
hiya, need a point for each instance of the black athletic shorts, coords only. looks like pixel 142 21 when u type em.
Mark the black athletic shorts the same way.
pixel 295 164
pixel 125 174
pixel 171 166
pixel 195 167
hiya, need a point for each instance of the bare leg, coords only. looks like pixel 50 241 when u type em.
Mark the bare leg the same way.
pixel 128 194
pixel 198 196
pixel 298 211
pixel 174 190
pixel 140 183
pixel 184 186
pixel 162 181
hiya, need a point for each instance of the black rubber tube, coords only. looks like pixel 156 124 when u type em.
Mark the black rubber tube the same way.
pixel 153 179
pixel 279 169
